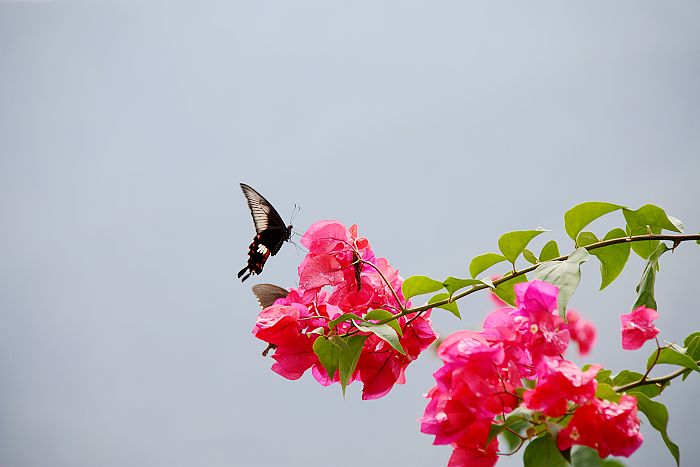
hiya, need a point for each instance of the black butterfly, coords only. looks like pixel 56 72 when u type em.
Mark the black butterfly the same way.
pixel 270 230
pixel 267 294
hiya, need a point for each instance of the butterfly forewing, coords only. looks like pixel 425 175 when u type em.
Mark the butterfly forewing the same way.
pixel 264 215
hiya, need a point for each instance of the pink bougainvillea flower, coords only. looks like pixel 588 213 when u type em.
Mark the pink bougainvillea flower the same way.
pixel 472 451
pixel 638 327
pixel 581 331
pixel 294 357
pixel 536 296
pixel 608 427
pixel 566 383
pixel 340 275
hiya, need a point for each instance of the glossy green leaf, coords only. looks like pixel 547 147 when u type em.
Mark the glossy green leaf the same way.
pixel 543 452
pixel 513 243
pixel 347 360
pixel 453 284
pixel 564 274
pixel 586 238
pixel 613 258
pixel 328 354
pixel 451 307
pixel 658 417
pixel 529 256
pixel 671 356
pixel 384 332
pixel 578 217
pixel 381 315
pixel 482 262
pixel 504 290
pixel 550 250
pixel 419 285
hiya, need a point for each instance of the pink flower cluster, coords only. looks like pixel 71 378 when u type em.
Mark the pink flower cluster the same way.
pixel 483 374
pixel 339 275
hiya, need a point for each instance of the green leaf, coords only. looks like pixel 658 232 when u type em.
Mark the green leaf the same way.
pixel 578 217
pixel 453 284
pixel 451 307
pixel 496 429
pixel 550 250
pixel 603 375
pixel 658 417
pixel 529 256
pixel 626 377
pixel 504 290
pixel 347 360
pixel 513 243
pixel 384 332
pixel 510 439
pixel 583 456
pixel 543 452
pixel 482 262
pixel 419 285
pixel 328 354
pixel 344 317
pixel 671 356
pixel 612 258
pixel 649 219
pixel 645 287
pixel 586 238
pixel 652 216
pixel 692 345
pixel 564 274
pixel 381 315
pixel 605 391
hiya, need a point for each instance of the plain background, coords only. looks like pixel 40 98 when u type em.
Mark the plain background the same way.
pixel 125 129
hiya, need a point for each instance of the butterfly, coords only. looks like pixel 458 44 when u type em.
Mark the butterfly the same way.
pixel 267 294
pixel 270 230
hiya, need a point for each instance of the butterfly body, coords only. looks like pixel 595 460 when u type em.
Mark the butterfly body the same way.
pixel 271 232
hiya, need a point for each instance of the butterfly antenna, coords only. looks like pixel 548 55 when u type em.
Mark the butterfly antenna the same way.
pixel 295 210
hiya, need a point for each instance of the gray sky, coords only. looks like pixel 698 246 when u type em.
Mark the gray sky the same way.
pixel 125 129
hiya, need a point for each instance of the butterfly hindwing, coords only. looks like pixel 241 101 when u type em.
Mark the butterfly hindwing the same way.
pixel 267 294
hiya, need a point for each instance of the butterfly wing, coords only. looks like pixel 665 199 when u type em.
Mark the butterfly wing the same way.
pixel 265 217
pixel 267 294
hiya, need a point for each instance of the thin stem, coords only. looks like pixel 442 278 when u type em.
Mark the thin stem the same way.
pixel 393 292
pixel 656 359
pixel 592 246
pixel 653 381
